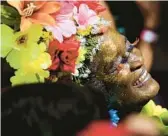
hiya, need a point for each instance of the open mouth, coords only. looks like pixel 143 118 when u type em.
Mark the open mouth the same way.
pixel 143 78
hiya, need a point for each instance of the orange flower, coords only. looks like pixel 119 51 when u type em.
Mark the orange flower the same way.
pixel 35 12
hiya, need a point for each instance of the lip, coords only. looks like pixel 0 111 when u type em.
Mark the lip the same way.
pixel 142 77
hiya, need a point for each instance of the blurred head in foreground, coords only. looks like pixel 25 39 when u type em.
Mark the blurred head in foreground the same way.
pixel 133 125
pixel 62 110
pixel 49 109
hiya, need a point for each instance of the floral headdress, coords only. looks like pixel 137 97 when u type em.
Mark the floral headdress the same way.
pixel 48 40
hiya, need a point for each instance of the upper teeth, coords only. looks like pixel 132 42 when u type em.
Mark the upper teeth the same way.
pixel 142 79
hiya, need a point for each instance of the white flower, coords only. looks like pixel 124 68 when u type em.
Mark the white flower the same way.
pixel 84 75
pixel 88 71
pixel 76 73
pixel 79 65
pixel 93 51
pixel 95 29
pixel 83 40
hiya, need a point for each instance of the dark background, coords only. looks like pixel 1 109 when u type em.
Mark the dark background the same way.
pixel 129 17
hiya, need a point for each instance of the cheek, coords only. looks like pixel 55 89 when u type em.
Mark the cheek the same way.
pixel 123 76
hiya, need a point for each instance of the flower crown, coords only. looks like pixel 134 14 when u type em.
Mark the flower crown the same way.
pixel 47 40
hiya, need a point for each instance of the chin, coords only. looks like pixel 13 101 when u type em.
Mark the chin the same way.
pixel 146 92
pixel 151 88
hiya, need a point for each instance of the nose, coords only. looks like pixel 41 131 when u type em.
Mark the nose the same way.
pixel 135 60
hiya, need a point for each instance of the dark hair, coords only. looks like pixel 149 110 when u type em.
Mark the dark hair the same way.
pixel 49 109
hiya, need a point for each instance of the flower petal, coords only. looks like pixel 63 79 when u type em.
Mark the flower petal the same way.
pixel 25 23
pixel 67 28
pixel 55 64
pixel 50 7
pixel 42 18
pixel 68 68
pixel 57 34
pixel 22 77
pixel 7 39
pixel 35 32
pixel 14 59
pixel 66 9
pixel 93 20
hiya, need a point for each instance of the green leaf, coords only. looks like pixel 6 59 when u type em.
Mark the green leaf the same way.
pixel 9 16
pixel 9 12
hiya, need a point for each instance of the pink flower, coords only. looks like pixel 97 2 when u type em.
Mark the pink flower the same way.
pixel 94 5
pixel 65 26
pixel 85 16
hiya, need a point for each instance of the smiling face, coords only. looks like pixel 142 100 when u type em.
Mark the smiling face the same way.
pixel 119 64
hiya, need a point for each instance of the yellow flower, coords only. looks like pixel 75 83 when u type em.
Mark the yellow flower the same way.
pixel 81 57
pixel 22 77
pixel 84 32
pixel 47 37
pixel 14 46
pixel 151 109
pixel 158 110
pixel 159 114
pixel 24 53
pixel 33 70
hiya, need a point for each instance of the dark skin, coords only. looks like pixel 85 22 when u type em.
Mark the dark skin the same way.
pixel 129 85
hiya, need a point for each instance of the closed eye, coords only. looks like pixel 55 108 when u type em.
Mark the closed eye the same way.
pixel 115 65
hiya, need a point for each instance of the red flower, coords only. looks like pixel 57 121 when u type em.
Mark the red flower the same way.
pixel 64 54
pixel 94 5
pixel 104 128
